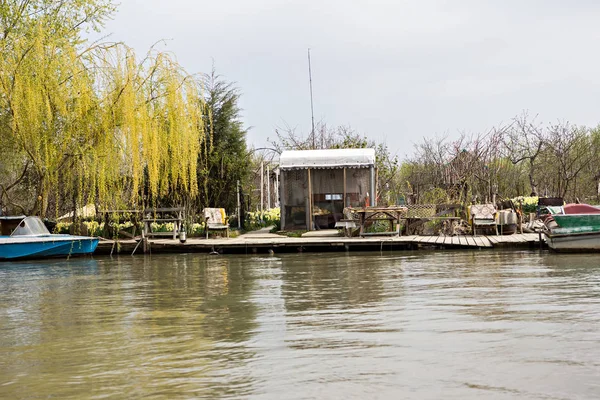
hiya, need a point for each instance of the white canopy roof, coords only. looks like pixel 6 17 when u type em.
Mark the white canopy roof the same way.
pixel 330 158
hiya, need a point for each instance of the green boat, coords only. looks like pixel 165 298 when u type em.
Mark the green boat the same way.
pixel 574 227
pixel 578 222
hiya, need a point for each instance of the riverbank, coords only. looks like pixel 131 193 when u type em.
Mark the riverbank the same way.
pixel 276 243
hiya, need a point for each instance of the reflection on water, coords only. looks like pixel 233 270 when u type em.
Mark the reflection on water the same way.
pixel 388 325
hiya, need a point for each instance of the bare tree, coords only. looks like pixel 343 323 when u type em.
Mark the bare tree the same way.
pixel 287 138
pixel 523 141
pixel 569 152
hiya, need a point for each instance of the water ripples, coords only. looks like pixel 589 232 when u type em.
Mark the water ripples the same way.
pixel 347 325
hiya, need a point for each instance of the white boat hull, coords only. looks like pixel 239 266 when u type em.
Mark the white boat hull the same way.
pixel 574 242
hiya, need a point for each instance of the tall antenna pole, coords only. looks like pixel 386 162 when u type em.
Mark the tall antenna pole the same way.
pixel 312 113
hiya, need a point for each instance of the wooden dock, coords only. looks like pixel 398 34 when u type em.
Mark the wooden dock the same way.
pixel 295 244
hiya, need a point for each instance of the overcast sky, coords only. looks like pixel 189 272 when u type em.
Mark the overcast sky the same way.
pixel 394 70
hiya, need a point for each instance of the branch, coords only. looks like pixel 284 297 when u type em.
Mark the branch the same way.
pixel 19 179
pixel 10 202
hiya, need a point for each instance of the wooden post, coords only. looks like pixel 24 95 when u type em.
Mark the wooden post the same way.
pixel 282 199
pixel 375 202
pixel 175 226
pixel 239 206
pixel 262 188
pixel 362 218
pixel 344 205
pixel 520 217
pixel 310 202
pixel 276 188
pixel 268 189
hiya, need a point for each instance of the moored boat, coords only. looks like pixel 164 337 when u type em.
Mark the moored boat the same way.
pixel 28 237
pixel 573 227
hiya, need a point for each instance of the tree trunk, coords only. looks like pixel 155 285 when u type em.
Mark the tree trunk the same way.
pixel 40 205
pixel 532 182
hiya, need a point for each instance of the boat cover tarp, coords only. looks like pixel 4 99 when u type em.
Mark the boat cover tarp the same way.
pixel 574 208
pixel 580 209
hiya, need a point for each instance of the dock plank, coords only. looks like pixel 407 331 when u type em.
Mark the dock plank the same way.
pixel 471 241
pixel 432 239
pixel 479 241
pixel 485 242
pixel 507 239
pixel 516 238
pixel 498 239
pixel 532 237
pixel 409 239
pixel 512 238
pixel 523 238
pixel 424 239
pixel 493 239
pixel 466 241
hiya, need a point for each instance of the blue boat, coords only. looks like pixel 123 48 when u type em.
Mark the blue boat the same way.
pixel 28 237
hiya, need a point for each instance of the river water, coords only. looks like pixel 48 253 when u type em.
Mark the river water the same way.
pixel 422 325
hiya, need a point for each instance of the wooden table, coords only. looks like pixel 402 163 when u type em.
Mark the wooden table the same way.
pixel 370 214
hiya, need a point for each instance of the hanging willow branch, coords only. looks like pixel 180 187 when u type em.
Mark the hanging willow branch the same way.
pixel 109 128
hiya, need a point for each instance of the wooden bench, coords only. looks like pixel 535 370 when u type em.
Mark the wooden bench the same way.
pixel 164 215
pixel 347 225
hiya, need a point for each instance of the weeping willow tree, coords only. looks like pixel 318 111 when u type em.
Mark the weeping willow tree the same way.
pixel 151 128
pixel 91 124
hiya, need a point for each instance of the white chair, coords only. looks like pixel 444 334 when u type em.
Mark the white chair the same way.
pixel 216 220
pixel 483 215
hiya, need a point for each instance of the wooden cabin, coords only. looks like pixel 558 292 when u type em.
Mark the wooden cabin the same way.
pixel 316 185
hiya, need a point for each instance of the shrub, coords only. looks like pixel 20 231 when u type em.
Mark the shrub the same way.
pixel 257 220
pixel 529 203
